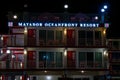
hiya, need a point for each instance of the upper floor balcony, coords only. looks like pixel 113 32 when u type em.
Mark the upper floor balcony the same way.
pixel 114 44
pixel 61 36
pixel 83 42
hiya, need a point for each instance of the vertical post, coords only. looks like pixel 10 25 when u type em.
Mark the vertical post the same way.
pixel 37 59
pixel 65 58
pixel 25 59
pixel 25 36
pixel 37 38
pixel 102 18
pixel 8 61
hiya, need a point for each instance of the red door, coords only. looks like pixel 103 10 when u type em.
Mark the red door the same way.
pixel 5 40
pixel 70 37
pixel 31 59
pixel 71 62
pixel 31 37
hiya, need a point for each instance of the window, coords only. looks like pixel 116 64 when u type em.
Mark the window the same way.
pixel 82 56
pixel 42 37
pixel 115 56
pixel 89 38
pixel 82 59
pixel 90 59
pixel 90 34
pixel 98 59
pixel 59 38
pixel 97 34
pixel 50 37
pixel 59 59
pixel 19 40
pixel 98 37
pixel 42 59
pixel 59 35
pixel 50 59
pixel 115 45
pixel 116 67
pixel 46 37
pixel 81 38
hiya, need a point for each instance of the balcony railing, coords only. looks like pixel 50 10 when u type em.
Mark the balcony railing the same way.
pixel 32 42
pixel 90 65
pixel 11 65
pixel 114 45
pixel 50 65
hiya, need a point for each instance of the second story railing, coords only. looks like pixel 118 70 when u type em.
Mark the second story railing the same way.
pixel 50 65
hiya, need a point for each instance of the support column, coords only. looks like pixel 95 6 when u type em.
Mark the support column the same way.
pixel 37 37
pixel 25 58
pixel 65 58
pixel 37 59
pixel 76 37
pixel 25 36
pixel 77 62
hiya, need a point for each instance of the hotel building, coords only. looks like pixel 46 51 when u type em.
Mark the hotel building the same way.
pixel 114 58
pixel 54 46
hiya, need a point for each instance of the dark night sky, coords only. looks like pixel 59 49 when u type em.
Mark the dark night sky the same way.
pixel 56 6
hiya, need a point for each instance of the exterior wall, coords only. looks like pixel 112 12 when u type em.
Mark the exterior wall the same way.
pixel 37 48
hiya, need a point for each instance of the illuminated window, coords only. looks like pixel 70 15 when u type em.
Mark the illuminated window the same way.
pixel 47 58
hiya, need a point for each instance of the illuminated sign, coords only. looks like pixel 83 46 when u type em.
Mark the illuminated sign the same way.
pixel 58 24
pixel 30 24
pixel 54 24
pixel 106 25
pixel 10 24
